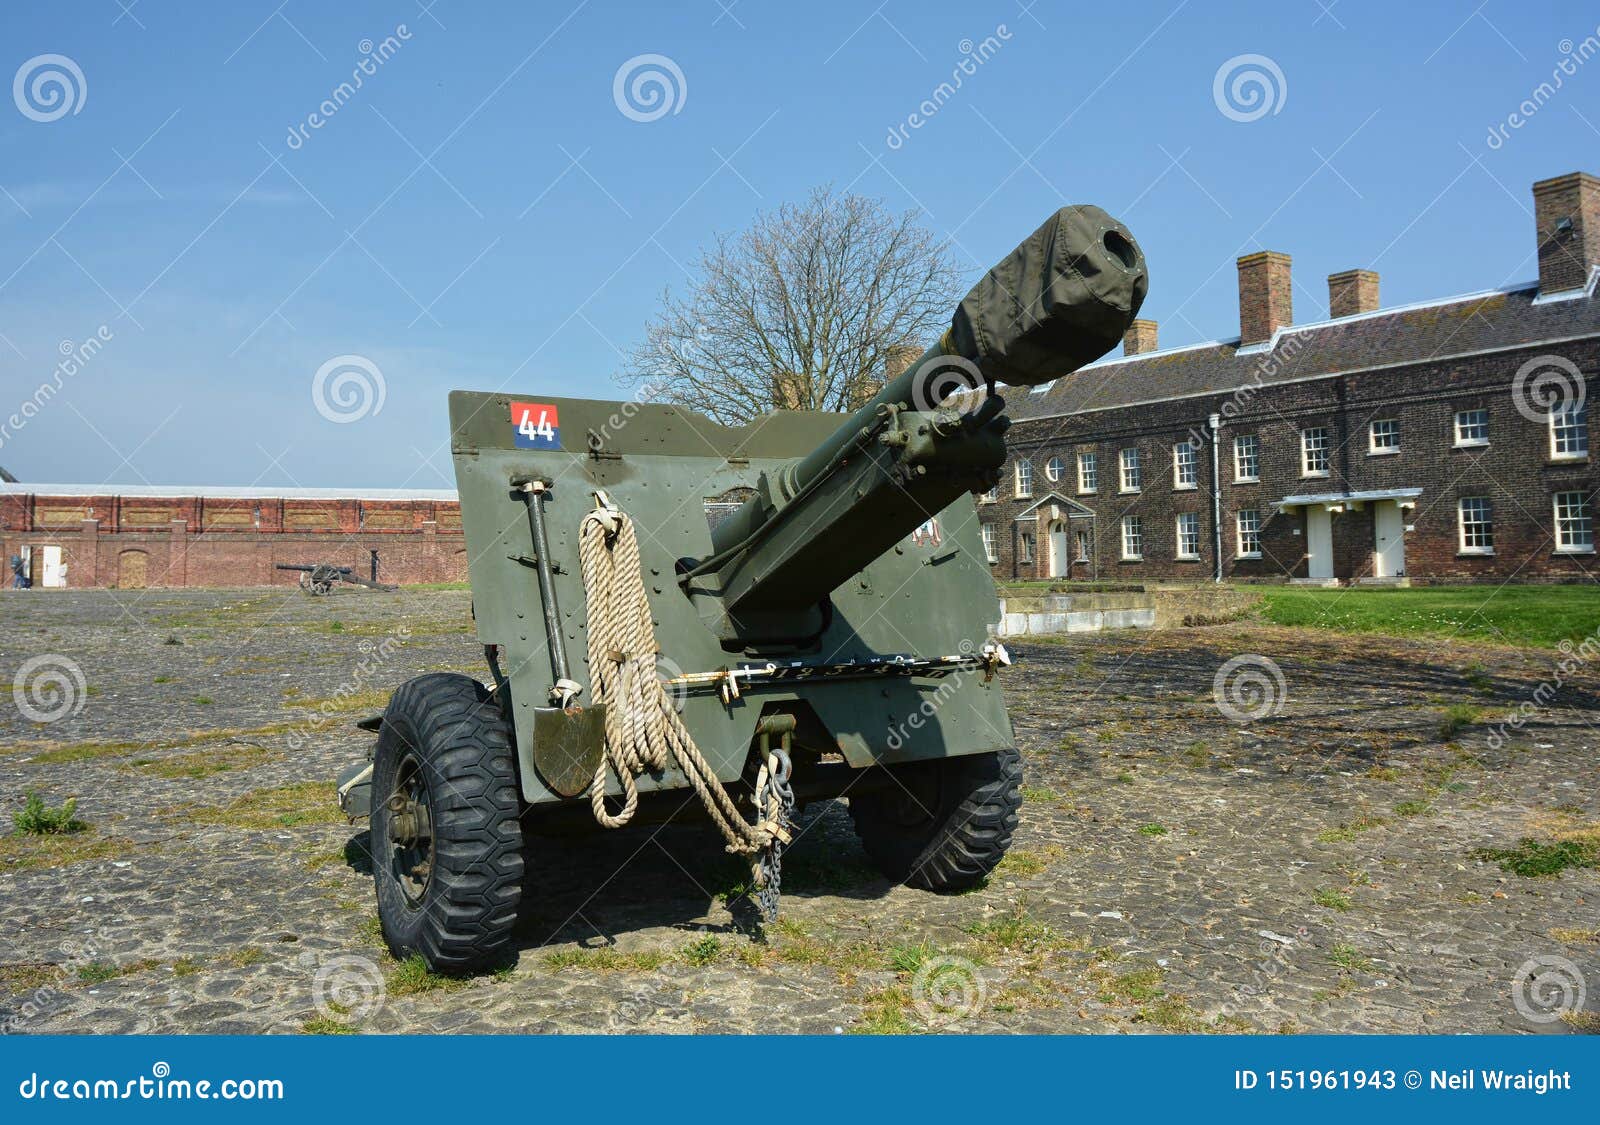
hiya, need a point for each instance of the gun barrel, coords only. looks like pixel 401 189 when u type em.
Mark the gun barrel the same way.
pixel 1064 297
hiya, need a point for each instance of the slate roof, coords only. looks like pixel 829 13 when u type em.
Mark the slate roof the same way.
pixel 1386 338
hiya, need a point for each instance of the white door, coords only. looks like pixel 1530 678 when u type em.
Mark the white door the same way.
pixel 52 577
pixel 1389 554
pixel 1319 543
pixel 1058 549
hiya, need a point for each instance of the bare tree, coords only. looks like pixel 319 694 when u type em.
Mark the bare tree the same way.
pixel 806 310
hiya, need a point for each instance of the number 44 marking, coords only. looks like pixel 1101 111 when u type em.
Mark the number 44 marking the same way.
pixel 535 425
pixel 541 429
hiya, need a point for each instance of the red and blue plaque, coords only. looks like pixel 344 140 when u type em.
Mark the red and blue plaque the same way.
pixel 535 425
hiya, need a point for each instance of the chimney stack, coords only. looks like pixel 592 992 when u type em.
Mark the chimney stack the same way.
pixel 1352 292
pixel 901 356
pixel 1139 338
pixel 1566 213
pixel 1266 298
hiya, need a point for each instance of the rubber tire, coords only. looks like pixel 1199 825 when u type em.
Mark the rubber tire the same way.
pixel 464 748
pixel 973 802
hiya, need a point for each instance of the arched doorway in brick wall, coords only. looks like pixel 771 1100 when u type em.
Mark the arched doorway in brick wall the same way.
pixel 133 570
pixel 1060 560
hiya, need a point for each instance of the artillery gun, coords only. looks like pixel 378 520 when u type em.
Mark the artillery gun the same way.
pixel 317 579
pixel 833 636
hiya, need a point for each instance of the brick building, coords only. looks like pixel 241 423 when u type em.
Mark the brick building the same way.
pixel 1440 441
pixel 132 537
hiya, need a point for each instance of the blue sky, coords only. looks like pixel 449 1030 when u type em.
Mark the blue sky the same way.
pixel 482 214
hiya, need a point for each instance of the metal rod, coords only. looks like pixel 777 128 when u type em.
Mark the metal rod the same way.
pixel 533 493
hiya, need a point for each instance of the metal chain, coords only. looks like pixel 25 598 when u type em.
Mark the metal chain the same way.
pixel 774 801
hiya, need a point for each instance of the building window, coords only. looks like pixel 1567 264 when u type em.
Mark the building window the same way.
pixel 1128 460
pixel 1188 535
pixel 1185 473
pixel 1024 479
pixel 1569 433
pixel 1384 436
pixel 1248 523
pixel 1314 452
pixel 1085 543
pixel 1475 522
pixel 1053 469
pixel 1574 531
pixel 1472 427
pixel 990 550
pixel 992 496
pixel 1025 547
pixel 1088 472
pixel 1246 459
pixel 1132 538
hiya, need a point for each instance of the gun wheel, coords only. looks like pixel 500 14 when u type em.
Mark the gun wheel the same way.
pixel 446 834
pixel 942 825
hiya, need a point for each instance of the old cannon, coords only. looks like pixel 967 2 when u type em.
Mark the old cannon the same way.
pixel 317 579
pixel 833 636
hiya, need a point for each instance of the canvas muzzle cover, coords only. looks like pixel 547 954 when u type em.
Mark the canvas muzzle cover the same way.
pixel 1060 300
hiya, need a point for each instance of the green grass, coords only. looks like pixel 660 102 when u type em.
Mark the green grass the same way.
pixel 412 977
pixel 39 819
pixel 703 951
pixel 1532 859
pixel 324 1025
pixel 1541 616
pixel 1457 717
pixel 1331 899
pixel 1351 959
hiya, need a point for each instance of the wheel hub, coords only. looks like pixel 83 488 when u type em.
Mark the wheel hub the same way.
pixel 410 831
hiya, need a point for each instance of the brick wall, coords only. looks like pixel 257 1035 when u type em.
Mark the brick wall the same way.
pixel 1515 471
pixel 112 540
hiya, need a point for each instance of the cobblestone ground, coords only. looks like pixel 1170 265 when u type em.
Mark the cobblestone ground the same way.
pixel 1321 868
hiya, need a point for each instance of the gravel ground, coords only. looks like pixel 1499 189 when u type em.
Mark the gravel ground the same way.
pixel 1315 865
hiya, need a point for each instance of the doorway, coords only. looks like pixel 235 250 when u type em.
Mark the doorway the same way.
pixel 46 567
pixel 1319 543
pixel 1389 546
pixel 133 570
pixel 1060 562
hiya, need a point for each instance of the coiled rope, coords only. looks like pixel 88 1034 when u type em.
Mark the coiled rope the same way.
pixel 644 732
